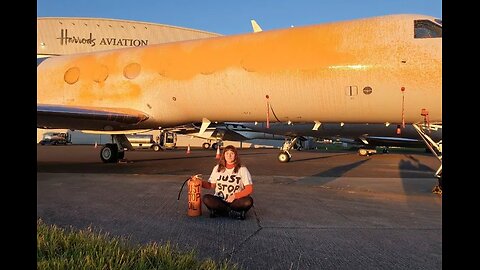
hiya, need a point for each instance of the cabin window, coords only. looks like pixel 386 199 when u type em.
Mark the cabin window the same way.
pixel 427 29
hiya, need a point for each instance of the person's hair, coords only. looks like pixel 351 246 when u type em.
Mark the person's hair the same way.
pixel 222 162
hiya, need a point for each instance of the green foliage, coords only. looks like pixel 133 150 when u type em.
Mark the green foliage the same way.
pixel 58 248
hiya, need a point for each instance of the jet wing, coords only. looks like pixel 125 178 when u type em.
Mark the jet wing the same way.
pixel 229 135
pixel 88 118
pixel 393 141
pixel 184 129
pixel 214 132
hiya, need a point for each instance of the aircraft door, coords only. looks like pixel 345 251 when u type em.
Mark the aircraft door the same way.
pixel 351 91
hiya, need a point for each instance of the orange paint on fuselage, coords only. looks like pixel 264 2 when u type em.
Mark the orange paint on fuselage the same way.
pixel 266 52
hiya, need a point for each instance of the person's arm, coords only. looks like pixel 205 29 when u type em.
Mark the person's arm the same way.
pixel 208 185
pixel 244 193
pixel 248 186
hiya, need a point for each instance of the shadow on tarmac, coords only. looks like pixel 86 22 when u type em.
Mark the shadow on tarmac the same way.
pixel 322 157
pixel 406 167
pixel 331 174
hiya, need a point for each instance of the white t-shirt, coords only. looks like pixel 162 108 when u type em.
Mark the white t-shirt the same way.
pixel 228 182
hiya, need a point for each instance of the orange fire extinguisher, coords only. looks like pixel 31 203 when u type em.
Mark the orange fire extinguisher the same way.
pixel 194 195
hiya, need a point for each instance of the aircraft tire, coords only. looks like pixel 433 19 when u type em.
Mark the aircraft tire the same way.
pixel 206 145
pixel 214 146
pixel 283 157
pixel 156 148
pixel 109 153
pixel 362 152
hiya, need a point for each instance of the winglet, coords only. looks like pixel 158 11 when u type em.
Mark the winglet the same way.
pixel 317 125
pixel 363 139
pixel 255 26
pixel 205 124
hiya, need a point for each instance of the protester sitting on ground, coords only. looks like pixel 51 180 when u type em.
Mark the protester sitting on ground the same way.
pixel 233 185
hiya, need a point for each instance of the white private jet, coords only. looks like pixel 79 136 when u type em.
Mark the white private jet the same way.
pixel 378 70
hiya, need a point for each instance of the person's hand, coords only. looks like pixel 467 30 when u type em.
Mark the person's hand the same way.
pixel 230 198
pixel 205 184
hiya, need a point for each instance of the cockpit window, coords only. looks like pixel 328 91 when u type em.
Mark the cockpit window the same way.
pixel 427 29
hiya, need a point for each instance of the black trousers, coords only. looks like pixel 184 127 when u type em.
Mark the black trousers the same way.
pixel 216 203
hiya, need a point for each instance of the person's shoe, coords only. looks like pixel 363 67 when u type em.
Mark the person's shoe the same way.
pixel 237 214
pixel 232 214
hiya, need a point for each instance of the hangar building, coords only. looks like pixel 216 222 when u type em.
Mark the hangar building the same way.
pixel 59 36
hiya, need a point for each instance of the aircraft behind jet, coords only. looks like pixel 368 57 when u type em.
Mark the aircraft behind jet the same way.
pixel 215 134
pixel 367 136
pixel 376 70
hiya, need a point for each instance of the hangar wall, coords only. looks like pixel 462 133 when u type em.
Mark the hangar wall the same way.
pixel 61 35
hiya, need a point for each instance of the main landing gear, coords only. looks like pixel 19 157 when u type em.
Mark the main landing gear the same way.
pixel 113 152
pixel 435 148
pixel 206 145
pixel 364 152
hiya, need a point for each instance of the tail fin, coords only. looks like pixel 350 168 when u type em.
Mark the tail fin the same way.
pixel 255 26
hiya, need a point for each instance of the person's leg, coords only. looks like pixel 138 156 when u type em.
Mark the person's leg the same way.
pixel 241 206
pixel 215 204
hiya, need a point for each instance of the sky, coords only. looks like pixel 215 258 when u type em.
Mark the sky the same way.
pixel 233 17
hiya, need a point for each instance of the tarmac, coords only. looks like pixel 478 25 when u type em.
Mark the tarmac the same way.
pixel 322 210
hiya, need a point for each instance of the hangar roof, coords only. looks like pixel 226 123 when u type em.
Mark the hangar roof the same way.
pixel 67 35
